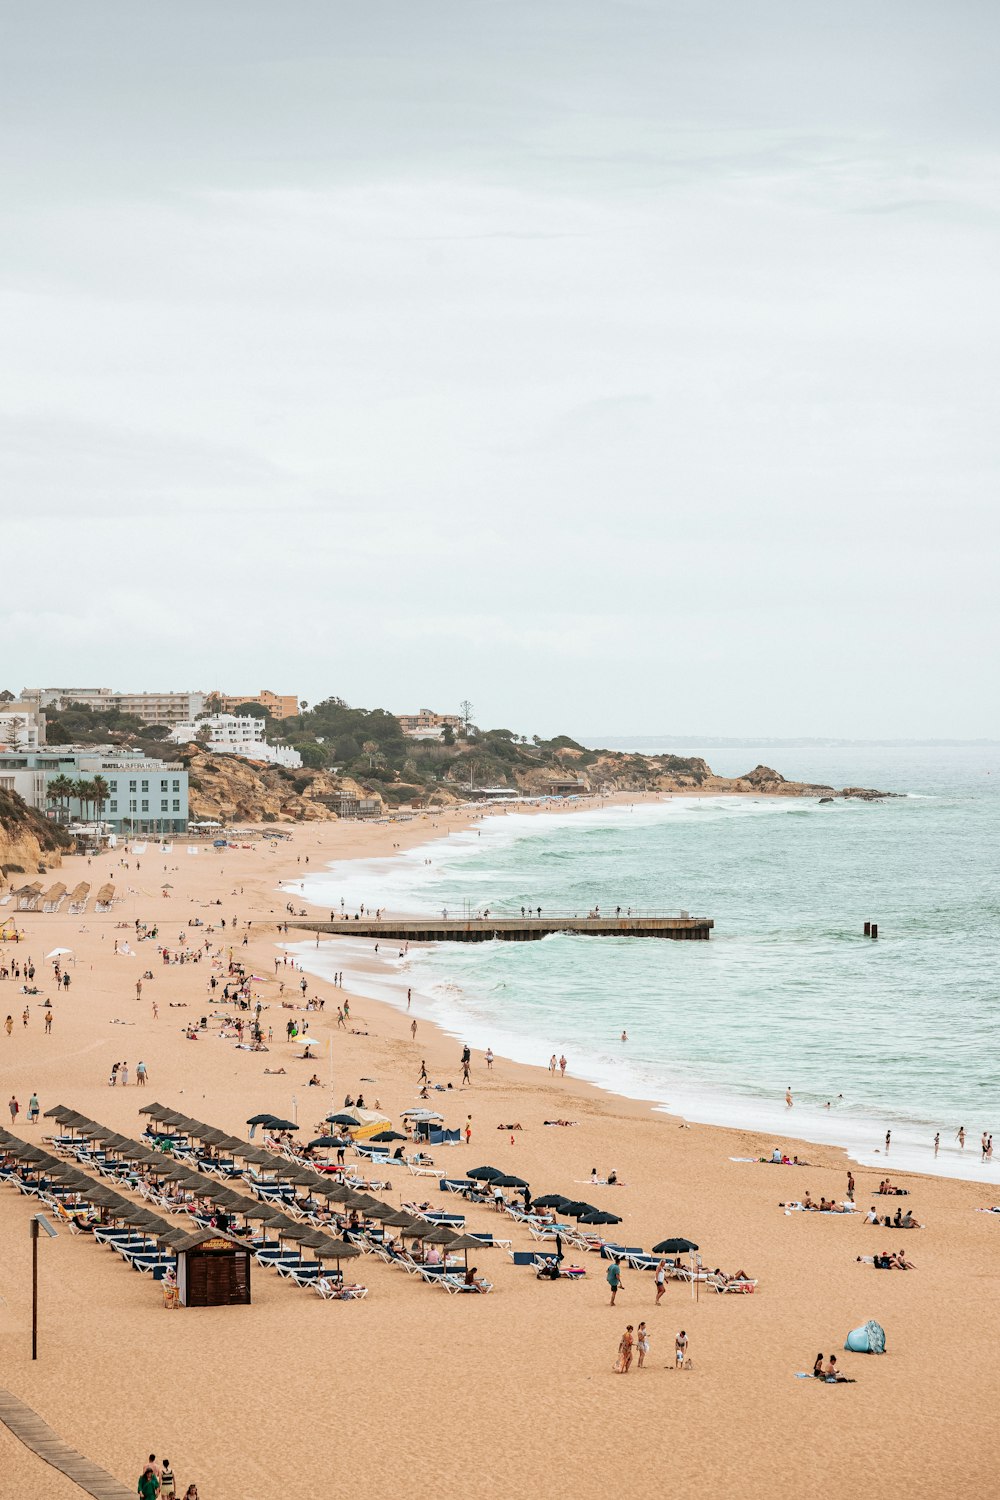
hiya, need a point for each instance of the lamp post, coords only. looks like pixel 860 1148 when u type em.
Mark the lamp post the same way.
pixel 36 1220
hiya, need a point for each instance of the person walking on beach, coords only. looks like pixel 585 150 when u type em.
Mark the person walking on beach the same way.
pixel 413 1029
pixel 489 1059
pixel 553 1064
pixel 422 1078
pixel 642 1343
pixel 680 1350
pixel 960 1136
pixel 140 1074
pixel 466 1075
pixel 614 1280
pixel 48 1022
pixel 8 1025
pixel 14 1107
pixel 33 1110
pixel 850 1187
pixel 660 1279
pixel 624 1361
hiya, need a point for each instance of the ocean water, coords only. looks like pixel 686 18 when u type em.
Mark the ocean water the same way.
pixel 899 1034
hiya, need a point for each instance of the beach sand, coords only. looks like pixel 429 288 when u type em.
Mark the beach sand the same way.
pixel 506 1395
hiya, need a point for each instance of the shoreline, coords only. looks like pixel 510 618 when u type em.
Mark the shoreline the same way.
pixel 701 1108
pixel 548 1402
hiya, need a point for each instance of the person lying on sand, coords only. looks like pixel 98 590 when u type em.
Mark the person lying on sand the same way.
pixel 573 1122
pixel 274 1071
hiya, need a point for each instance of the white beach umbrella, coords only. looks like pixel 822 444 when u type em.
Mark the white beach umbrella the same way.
pixel 307 1041
pixel 58 953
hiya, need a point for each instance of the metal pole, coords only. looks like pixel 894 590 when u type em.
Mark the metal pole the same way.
pixel 34 1288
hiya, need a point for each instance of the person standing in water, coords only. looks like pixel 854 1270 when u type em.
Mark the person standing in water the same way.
pixel 888 1139
pixel 937 1142
pixel 789 1101
pixel 960 1136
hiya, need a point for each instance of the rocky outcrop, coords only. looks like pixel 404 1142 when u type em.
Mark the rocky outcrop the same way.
pixel 228 789
pixel 28 841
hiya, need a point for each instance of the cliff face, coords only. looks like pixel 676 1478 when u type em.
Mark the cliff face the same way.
pixel 230 790
pixel 227 789
pixel 27 839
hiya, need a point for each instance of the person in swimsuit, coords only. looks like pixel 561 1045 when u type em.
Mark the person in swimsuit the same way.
pixel 642 1343
pixel 625 1352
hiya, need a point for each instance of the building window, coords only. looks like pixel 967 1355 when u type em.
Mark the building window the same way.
pixel 177 804
pixel 177 786
pixel 132 787
pixel 163 786
pixel 113 805
pixel 131 806
pixel 145 804
pixel 163 804
pixel 145 786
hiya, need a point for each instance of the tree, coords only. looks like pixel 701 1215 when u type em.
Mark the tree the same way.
pixel 101 792
pixel 313 756
pixel 370 748
pixel 60 789
pixel 202 734
pixel 213 704
pixel 447 735
pixel 83 791
pixel 466 710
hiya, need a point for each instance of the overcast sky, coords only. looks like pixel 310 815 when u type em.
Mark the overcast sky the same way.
pixel 620 366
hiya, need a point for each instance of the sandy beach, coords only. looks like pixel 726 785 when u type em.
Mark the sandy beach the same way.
pixel 504 1395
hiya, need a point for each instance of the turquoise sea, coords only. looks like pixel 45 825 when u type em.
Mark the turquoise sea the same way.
pixel 896 1034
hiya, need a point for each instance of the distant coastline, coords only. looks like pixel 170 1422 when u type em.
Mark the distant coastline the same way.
pixel 766 742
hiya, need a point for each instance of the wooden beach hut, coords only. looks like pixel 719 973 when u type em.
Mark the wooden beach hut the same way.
pixel 78 898
pixel 54 897
pixel 104 897
pixel 28 896
pixel 213 1269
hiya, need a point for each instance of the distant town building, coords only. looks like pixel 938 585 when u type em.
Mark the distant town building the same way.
pixel 151 708
pixel 427 725
pixel 352 806
pixel 237 734
pixel 22 726
pixel 279 705
pixel 143 794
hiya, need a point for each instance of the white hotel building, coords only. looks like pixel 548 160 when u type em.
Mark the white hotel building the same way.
pixel 237 734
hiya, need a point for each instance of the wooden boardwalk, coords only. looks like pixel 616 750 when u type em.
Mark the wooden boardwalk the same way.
pixel 428 929
pixel 37 1435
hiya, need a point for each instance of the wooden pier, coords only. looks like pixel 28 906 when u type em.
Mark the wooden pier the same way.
pixel 490 929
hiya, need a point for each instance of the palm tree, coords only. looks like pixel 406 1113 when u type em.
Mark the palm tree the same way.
pixel 83 791
pixel 101 793
pixel 370 749
pixel 60 789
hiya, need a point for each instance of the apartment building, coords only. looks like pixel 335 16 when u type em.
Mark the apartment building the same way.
pixel 427 725
pixel 278 705
pixel 151 708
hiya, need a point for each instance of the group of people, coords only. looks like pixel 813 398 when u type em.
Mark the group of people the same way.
pixel 156 1482
pixel 900 1221
pixel 635 1342
pixel 119 1073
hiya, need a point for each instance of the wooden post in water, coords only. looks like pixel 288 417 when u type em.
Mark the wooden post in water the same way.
pixel 868 929
pixel 874 929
